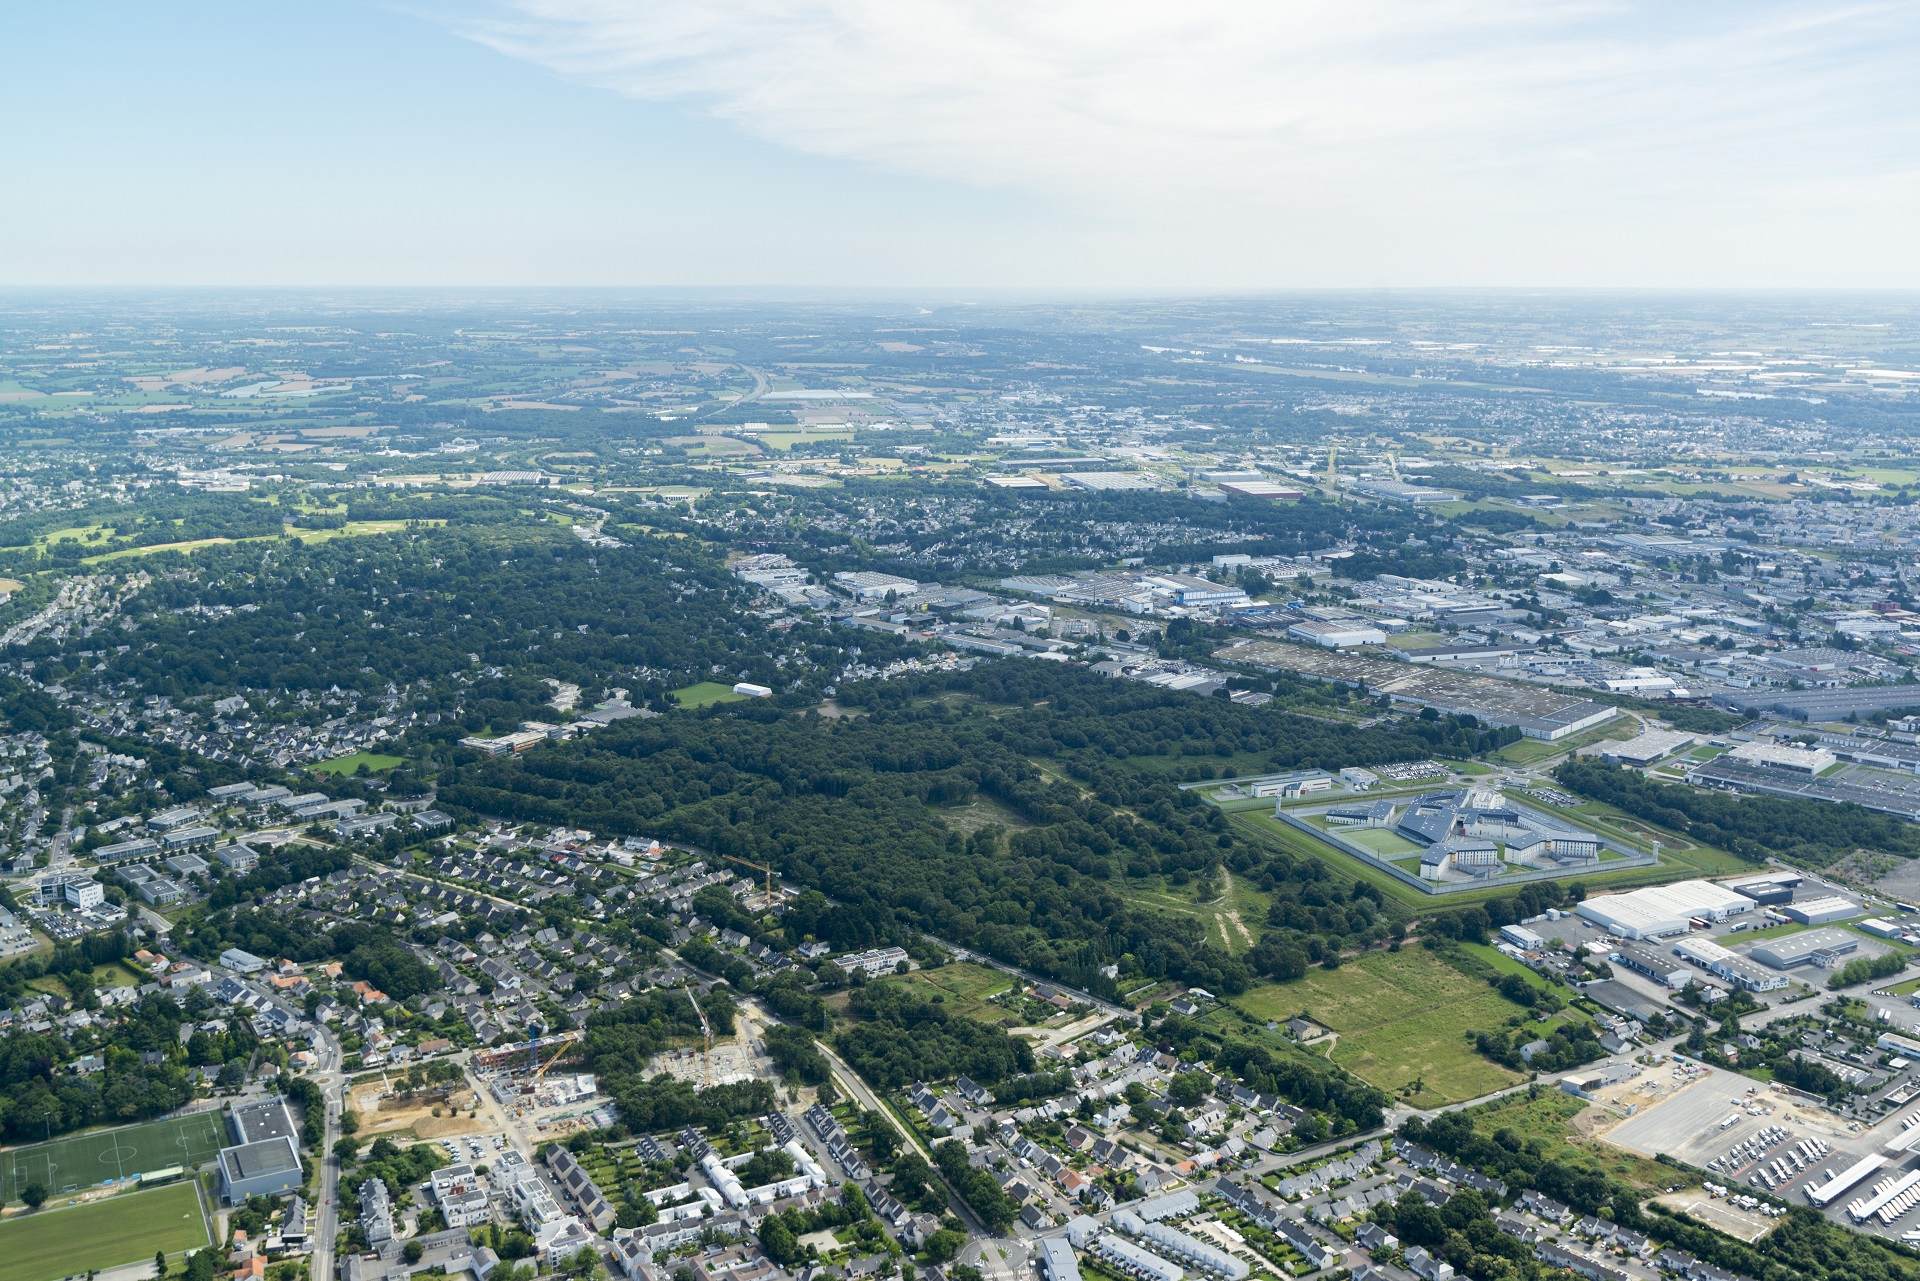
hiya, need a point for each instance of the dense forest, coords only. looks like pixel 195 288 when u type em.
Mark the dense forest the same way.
pixel 856 807
pixel 1811 833
pixel 430 603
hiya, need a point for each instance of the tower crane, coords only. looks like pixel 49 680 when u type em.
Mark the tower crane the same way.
pixel 706 1031
pixel 761 867
pixel 557 1056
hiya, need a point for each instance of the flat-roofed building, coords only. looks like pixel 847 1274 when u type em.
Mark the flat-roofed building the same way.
pixel 242 962
pixel 1818 911
pixel 1662 968
pixel 262 1119
pixel 160 891
pixel 1126 1257
pixel 1646 748
pixel 259 1169
pixel 1056 1260
pixel 188 864
pixel 1260 489
pixel 1661 910
pixel 121 851
pixel 1338 635
pixel 167 820
pixel 462 1199
pixel 1731 966
pixel 1811 947
pixel 189 838
pixel 1771 890
pixel 1790 760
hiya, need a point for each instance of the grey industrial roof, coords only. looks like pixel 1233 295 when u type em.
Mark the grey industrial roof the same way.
pixel 266 1119
pixel 251 1160
pixel 1795 948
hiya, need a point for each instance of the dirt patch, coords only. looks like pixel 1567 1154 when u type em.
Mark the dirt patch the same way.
pixel 337 433
pixel 1593 1123
pixel 415 1113
pixel 1233 913
pixel 978 813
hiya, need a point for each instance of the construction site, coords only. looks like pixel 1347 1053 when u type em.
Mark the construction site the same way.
pixel 385 1108
pixel 538 1092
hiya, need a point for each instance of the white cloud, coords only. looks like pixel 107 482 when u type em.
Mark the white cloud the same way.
pixel 1483 130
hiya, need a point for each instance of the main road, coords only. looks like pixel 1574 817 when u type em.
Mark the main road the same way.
pixel 332 1085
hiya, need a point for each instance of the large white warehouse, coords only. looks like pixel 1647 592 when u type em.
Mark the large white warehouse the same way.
pixel 1661 910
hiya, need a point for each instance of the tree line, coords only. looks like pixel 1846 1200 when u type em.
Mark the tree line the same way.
pixel 1812 833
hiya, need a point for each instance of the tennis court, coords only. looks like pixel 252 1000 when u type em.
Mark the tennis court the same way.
pixel 96 1156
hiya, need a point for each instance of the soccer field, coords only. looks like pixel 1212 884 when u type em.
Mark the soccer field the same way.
pixel 101 1234
pixel 83 1160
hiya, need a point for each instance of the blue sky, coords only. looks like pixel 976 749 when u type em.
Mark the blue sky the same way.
pixel 1111 145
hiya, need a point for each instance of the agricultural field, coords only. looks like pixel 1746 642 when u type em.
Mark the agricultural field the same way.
pixel 706 694
pixel 102 1234
pixel 95 1156
pixel 1399 1018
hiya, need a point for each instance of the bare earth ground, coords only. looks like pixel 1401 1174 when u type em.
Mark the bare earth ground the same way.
pixel 1718 1213
pixel 391 1115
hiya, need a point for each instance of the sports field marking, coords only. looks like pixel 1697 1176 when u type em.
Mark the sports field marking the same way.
pixel 92 1157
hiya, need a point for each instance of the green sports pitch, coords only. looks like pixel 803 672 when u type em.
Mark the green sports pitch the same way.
pixel 102 1234
pixel 96 1156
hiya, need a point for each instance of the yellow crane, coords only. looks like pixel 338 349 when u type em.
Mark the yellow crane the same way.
pixel 557 1056
pixel 760 867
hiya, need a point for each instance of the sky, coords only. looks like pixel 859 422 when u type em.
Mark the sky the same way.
pixel 1087 145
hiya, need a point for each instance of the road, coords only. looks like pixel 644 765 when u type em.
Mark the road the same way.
pixel 327 1212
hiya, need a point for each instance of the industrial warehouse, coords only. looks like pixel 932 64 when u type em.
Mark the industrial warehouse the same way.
pixel 1660 911
pixel 1537 712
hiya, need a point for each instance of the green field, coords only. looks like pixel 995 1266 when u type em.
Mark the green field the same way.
pixel 1529 750
pixel 95 1156
pixel 102 1234
pixel 1382 841
pixel 965 986
pixel 706 694
pixel 1401 1017
pixel 374 761
pixel 1232 921
pixel 1548 1117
